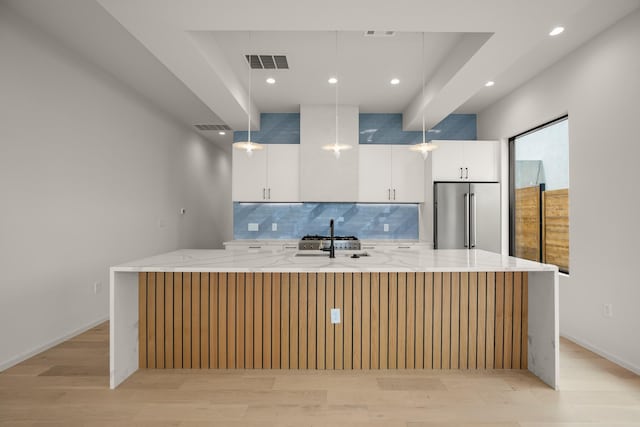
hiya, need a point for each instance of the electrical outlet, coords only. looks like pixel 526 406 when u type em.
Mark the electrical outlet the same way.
pixel 335 315
pixel 386 228
pixel 97 287
pixel 607 310
pixel 274 226
pixel 253 226
pixel 340 219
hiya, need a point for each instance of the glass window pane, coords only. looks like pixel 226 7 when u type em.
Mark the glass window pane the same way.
pixel 541 208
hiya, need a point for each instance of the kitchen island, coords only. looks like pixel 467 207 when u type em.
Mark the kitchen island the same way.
pixel 397 309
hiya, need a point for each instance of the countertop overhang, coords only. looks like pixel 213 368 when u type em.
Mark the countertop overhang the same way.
pixel 391 260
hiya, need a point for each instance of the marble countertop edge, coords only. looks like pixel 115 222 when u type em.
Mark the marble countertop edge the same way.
pixel 392 260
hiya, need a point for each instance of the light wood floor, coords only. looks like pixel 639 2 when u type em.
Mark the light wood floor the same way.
pixel 68 386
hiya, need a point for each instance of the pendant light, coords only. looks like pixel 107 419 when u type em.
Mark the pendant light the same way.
pixel 248 145
pixel 424 147
pixel 336 147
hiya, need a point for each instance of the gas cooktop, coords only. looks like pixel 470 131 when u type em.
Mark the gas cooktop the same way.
pixel 317 242
pixel 319 237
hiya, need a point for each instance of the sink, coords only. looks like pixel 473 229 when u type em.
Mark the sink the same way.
pixel 326 254
pixel 312 254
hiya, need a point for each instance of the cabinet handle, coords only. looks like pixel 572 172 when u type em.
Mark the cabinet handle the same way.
pixel 388 194
pixel 472 221
pixel 394 194
pixel 466 173
pixel 466 220
pixel 269 193
pixel 460 173
pixel 264 194
pixel 255 247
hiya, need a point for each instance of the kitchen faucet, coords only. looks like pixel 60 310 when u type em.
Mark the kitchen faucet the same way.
pixel 331 249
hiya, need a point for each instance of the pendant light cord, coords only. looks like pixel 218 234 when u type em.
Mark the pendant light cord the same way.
pixel 424 141
pixel 337 84
pixel 250 80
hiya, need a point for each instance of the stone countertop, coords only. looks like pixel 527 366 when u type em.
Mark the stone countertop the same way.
pixel 392 260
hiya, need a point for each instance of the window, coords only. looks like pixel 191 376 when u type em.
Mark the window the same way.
pixel 539 187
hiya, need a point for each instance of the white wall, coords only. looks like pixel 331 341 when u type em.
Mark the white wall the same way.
pixel 90 176
pixel 598 85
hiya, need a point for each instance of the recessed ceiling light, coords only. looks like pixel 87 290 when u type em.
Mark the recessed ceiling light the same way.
pixel 489 83
pixel 271 81
pixel 395 81
pixel 222 132
pixel 333 80
pixel 556 31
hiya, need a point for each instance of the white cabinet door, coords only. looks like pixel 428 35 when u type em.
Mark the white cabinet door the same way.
pixel 483 160
pixel 374 173
pixel 249 175
pixel 390 173
pixel 407 175
pixel 283 172
pixel 466 161
pixel 447 161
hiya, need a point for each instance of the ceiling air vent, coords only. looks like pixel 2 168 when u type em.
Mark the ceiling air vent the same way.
pixel 268 62
pixel 377 33
pixel 212 127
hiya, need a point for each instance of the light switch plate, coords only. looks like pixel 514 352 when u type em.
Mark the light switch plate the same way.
pixel 335 315
pixel 253 226
pixel 274 226
pixel 386 228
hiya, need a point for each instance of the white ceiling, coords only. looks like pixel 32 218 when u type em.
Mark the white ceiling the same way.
pixel 187 55
pixel 365 66
pixel 87 29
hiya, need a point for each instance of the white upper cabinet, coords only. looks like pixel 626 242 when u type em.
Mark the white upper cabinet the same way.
pixel 249 176
pixel 271 174
pixel 466 161
pixel 390 173
pixel 283 172
pixel 323 178
pixel 407 175
pixel 374 170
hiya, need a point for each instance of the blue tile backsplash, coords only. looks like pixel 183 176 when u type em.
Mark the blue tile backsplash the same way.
pixel 294 220
pixel 455 126
pixel 387 129
pixel 275 128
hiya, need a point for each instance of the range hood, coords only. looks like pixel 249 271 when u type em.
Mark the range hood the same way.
pixel 323 178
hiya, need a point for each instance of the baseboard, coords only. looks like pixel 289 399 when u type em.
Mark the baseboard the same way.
pixel 22 357
pixel 630 366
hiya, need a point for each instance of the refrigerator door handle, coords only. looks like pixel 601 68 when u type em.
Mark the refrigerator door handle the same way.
pixel 473 225
pixel 466 220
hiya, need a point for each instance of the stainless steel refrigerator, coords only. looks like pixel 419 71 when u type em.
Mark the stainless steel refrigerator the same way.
pixel 467 215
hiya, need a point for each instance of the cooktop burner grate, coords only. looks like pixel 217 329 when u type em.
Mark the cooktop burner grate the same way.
pixel 319 237
pixel 317 242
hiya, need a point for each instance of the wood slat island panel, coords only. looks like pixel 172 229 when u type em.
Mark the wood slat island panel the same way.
pixel 282 320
